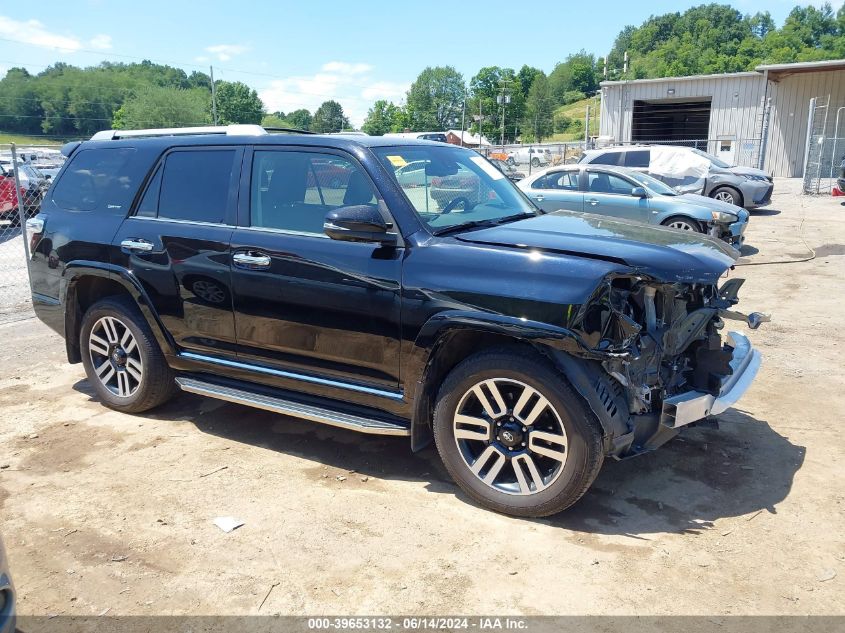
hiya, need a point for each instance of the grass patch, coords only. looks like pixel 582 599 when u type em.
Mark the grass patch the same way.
pixel 577 111
pixel 22 139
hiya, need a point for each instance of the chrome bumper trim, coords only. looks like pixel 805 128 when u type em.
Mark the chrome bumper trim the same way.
pixel 691 406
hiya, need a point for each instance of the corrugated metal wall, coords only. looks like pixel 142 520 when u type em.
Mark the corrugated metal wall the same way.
pixel 735 106
pixel 788 128
pixel 737 109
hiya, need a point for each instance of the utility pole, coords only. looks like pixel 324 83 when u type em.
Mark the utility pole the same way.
pixel 213 96
pixel 586 127
pixel 504 99
pixel 464 117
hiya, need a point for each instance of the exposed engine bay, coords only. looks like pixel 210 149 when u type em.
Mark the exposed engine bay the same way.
pixel 663 343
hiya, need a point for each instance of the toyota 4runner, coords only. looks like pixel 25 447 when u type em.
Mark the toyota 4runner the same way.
pixel 529 346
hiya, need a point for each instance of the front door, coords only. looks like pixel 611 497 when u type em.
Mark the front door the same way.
pixel 611 194
pixel 558 190
pixel 177 245
pixel 308 309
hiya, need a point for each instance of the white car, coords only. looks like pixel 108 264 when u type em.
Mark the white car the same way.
pixel 536 156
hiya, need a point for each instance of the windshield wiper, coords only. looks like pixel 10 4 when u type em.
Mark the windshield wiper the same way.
pixel 456 228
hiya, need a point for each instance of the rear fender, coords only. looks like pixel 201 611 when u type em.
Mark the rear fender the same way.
pixel 78 270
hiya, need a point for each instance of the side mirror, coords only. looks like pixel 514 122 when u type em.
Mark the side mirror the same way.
pixel 639 192
pixel 358 223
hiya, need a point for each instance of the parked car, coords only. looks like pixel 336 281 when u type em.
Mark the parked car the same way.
pixel 9 198
pixel 412 174
pixel 624 193
pixel 440 137
pixel 33 184
pixel 536 156
pixel 507 169
pixel 528 346
pixel 7 594
pixel 745 187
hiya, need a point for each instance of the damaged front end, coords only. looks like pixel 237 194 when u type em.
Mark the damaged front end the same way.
pixel 665 359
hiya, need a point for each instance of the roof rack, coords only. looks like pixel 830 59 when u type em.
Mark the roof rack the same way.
pixel 228 130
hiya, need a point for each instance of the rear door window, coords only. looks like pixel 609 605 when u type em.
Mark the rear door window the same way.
pixel 195 185
pixel 608 158
pixel 637 158
pixel 96 179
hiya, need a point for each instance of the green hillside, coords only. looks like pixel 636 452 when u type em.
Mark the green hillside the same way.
pixel 575 112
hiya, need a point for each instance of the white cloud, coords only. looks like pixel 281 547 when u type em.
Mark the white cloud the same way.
pixel 34 32
pixel 100 42
pixel 350 84
pixel 201 59
pixel 225 52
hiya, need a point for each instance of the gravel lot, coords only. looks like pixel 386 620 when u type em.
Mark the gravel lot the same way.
pixel 102 510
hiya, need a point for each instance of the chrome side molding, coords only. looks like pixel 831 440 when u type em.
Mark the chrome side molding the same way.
pixel 294 409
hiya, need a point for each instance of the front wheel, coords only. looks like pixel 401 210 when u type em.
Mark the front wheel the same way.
pixel 122 359
pixel 514 436
pixel 535 162
pixel 727 194
pixel 683 224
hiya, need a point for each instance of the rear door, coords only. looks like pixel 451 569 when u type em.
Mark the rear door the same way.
pixel 177 244
pixel 610 194
pixel 558 190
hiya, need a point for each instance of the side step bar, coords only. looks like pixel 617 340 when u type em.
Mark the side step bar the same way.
pixel 291 408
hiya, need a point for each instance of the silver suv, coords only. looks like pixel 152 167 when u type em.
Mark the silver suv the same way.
pixel 743 186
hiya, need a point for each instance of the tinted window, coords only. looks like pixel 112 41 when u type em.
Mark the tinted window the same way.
pixel 96 179
pixel 608 183
pixel 295 190
pixel 638 158
pixel 565 180
pixel 608 158
pixel 149 203
pixel 195 185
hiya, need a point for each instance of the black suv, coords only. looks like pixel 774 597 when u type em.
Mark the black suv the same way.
pixel 296 273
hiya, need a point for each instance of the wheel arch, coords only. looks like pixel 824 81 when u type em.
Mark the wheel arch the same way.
pixel 734 189
pixel 88 282
pixel 449 340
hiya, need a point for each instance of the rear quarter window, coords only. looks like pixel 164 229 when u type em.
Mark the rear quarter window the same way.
pixel 608 158
pixel 96 179
pixel 637 158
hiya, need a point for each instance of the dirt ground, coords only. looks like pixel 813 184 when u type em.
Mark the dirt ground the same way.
pixel 102 510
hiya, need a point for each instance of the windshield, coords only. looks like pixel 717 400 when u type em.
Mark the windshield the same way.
pixel 456 187
pixel 652 183
pixel 713 160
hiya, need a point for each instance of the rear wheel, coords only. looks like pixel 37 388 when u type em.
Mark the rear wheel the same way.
pixel 122 359
pixel 514 436
pixel 683 224
pixel 535 162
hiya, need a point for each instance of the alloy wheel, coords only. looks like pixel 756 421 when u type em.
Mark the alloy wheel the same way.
pixel 209 291
pixel 510 436
pixel 682 225
pixel 115 356
pixel 725 196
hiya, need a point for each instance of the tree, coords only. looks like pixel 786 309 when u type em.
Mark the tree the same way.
pixel 238 103
pixel 380 118
pixel 527 75
pixel 435 100
pixel 329 117
pixel 155 107
pixel 577 73
pixel 300 119
pixel 486 87
pixel 537 121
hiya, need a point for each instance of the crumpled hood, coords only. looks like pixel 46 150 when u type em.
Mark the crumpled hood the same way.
pixel 666 254
pixel 740 171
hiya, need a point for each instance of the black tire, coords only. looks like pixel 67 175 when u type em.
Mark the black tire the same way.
pixel 157 384
pixel 727 194
pixel 694 224
pixel 535 162
pixel 584 449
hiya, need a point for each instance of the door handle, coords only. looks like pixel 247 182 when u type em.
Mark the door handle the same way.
pixel 251 260
pixel 592 201
pixel 539 198
pixel 136 244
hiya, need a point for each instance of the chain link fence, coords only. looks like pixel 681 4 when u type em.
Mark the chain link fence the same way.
pixel 824 160
pixel 25 176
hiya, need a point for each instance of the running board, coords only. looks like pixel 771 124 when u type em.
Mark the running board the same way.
pixel 292 408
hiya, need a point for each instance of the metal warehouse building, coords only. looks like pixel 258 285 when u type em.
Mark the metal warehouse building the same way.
pixel 755 119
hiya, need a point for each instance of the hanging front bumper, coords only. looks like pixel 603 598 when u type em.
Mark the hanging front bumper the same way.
pixel 692 406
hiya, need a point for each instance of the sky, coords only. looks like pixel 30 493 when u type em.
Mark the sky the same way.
pixel 299 54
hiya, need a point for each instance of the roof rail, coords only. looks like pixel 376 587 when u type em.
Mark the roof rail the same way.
pixel 289 130
pixel 229 130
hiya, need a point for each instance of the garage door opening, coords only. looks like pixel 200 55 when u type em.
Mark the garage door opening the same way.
pixel 674 121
